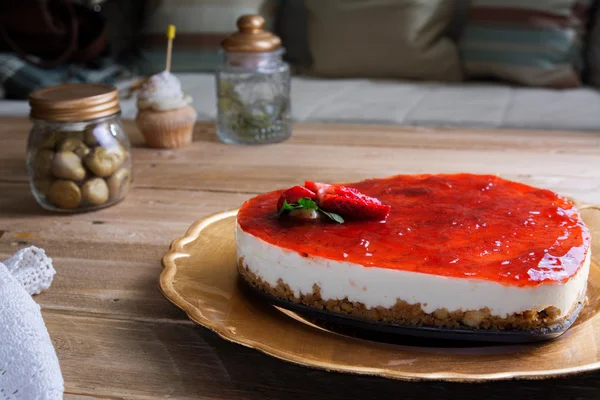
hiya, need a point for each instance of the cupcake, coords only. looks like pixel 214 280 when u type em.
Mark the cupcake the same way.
pixel 165 116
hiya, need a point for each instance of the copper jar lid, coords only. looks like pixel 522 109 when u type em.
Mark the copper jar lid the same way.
pixel 251 37
pixel 75 102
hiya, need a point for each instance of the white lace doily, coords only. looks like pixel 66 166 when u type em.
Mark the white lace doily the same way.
pixel 29 368
pixel 32 268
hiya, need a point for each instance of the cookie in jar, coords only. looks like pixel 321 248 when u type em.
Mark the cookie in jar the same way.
pixel 78 154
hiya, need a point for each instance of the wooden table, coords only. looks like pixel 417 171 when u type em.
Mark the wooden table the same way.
pixel 117 337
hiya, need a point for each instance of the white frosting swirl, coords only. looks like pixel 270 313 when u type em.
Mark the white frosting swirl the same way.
pixel 162 92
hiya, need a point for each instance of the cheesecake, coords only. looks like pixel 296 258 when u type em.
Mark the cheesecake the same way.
pixel 453 251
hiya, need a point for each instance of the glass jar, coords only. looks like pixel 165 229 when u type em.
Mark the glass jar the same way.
pixel 78 154
pixel 253 87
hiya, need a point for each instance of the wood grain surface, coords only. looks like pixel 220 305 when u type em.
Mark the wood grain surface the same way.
pixel 117 337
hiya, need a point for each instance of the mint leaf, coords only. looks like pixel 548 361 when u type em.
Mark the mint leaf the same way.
pixel 305 202
pixel 308 204
pixel 288 206
pixel 336 217
pixel 281 211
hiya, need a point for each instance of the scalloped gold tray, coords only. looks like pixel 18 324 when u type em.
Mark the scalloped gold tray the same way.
pixel 200 277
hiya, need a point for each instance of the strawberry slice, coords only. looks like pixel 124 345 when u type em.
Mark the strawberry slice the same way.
pixel 315 186
pixel 358 207
pixel 342 200
pixel 323 188
pixel 342 191
pixel 349 202
pixel 294 194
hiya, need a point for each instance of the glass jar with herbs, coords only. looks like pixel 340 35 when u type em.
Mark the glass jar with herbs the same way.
pixel 253 86
pixel 78 155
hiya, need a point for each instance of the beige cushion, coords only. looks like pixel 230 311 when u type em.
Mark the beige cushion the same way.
pixel 382 38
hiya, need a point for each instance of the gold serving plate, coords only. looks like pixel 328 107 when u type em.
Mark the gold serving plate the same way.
pixel 200 277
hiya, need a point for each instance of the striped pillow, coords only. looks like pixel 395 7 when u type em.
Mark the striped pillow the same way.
pixel 527 42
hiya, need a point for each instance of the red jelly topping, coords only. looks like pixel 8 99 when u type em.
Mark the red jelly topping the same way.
pixel 466 226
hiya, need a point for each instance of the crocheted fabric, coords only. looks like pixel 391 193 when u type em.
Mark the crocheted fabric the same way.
pixel 29 367
pixel 32 268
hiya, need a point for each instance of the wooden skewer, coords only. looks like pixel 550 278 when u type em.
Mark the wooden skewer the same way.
pixel 138 83
pixel 170 37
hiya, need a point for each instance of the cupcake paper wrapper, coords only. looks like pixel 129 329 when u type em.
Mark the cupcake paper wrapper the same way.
pixel 167 129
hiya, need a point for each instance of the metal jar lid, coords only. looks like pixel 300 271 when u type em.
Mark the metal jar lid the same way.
pixel 75 102
pixel 251 37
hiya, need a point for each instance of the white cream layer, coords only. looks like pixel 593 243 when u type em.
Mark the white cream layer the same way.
pixel 382 287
